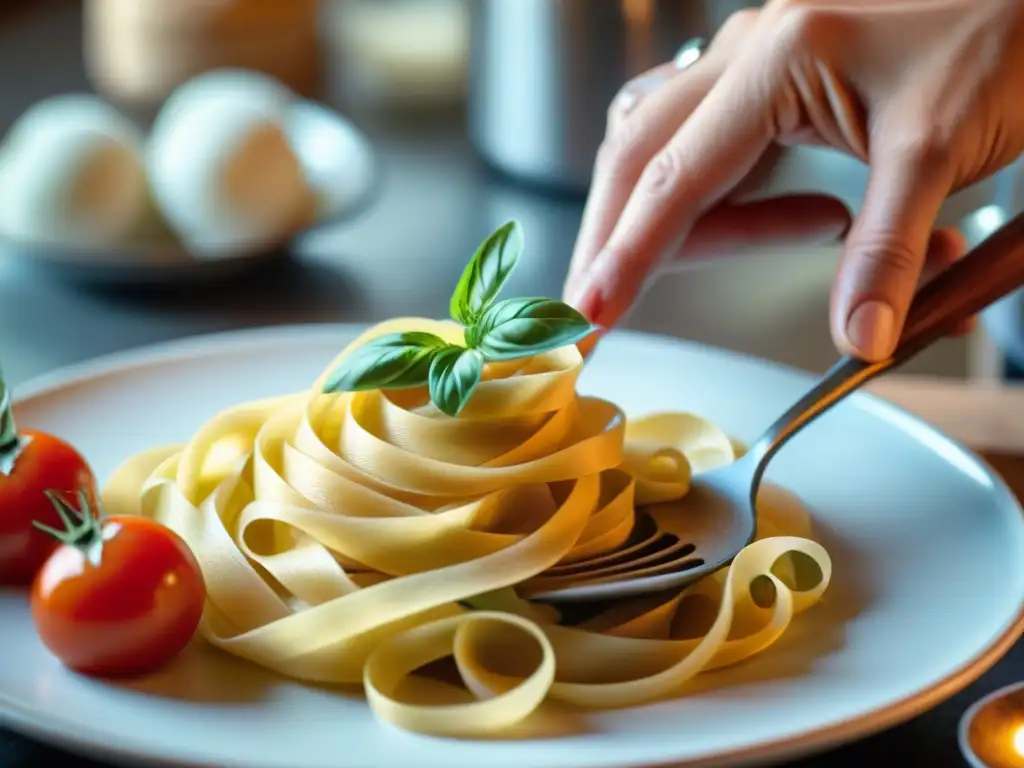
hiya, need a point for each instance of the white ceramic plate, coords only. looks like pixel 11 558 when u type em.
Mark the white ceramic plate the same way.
pixel 927 544
pixel 339 162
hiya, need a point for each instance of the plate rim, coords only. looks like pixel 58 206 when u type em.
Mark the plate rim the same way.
pixel 36 723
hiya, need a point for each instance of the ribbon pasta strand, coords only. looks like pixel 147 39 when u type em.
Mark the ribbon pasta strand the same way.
pixel 343 538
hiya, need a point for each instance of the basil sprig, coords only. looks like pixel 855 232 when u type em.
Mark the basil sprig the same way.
pixel 485 275
pixel 454 375
pixel 495 331
pixel 516 328
pixel 393 361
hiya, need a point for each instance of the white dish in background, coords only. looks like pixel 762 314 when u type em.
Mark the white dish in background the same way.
pixel 339 163
pixel 926 593
pixel 72 167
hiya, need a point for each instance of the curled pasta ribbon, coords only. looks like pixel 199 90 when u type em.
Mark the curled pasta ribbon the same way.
pixel 355 538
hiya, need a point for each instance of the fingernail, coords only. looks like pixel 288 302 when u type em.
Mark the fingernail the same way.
pixel 871 330
pixel 641 86
pixel 627 100
pixel 588 302
pixel 648 83
pixel 578 284
pixel 573 292
pixel 689 53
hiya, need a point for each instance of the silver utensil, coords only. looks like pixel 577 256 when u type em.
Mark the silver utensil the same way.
pixel 675 544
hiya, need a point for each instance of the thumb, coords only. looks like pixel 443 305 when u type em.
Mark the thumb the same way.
pixel 885 252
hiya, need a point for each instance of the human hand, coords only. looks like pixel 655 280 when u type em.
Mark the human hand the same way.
pixel 924 91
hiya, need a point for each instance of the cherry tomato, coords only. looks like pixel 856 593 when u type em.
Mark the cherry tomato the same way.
pixel 121 595
pixel 30 463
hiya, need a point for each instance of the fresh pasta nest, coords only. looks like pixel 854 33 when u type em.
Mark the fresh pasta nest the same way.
pixel 357 537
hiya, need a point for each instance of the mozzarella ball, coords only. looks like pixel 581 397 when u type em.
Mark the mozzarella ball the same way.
pixel 71 171
pixel 221 167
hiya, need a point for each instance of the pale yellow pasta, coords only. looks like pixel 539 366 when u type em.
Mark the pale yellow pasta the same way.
pixel 342 536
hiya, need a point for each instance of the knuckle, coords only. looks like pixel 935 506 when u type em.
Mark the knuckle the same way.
pixel 804 25
pixel 737 23
pixel 885 254
pixel 620 155
pixel 663 174
pixel 621 105
pixel 928 147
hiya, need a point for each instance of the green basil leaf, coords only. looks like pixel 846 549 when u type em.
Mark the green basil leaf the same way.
pixel 393 361
pixel 486 273
pixel 473 335
pixel 516 328
pixel 11 442
pixel 454 374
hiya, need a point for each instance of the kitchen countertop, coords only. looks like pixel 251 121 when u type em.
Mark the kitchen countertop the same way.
pixel 438 203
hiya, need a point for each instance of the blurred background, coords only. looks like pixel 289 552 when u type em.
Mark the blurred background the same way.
pixel 424 125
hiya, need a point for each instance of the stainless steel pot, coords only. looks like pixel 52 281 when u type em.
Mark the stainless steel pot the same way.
pixel 543 72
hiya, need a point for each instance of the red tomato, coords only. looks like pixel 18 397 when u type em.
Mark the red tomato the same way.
pixel 121 596
pixel 42 461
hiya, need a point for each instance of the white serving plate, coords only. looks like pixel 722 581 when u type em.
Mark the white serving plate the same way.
pixel 927 592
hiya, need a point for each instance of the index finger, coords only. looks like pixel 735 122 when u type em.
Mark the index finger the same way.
pixel 710 154
pixel 630 143
pixel 646 126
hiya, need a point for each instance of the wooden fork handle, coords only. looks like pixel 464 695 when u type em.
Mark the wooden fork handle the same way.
pixel 983 276
pixel 988 273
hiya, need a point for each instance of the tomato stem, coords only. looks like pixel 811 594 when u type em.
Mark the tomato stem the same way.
pixel 82 529
pixel 11 443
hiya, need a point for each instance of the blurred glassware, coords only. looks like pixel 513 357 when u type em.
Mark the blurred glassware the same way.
pixel 139 51
pixel 401 54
